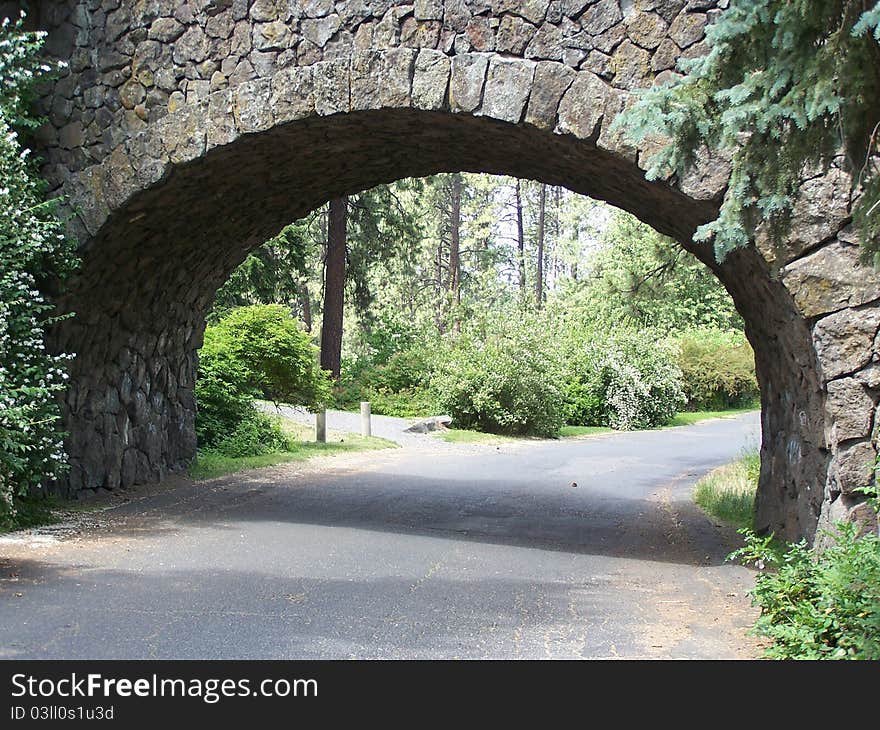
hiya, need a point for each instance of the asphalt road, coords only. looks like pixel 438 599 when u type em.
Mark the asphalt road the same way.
pixel 425 551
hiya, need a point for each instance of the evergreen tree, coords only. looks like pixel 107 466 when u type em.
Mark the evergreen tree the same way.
pixel 786 85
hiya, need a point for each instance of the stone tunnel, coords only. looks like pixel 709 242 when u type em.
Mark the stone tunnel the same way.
pixel 184 134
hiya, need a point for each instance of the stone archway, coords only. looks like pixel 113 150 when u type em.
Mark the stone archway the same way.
pixel 186 134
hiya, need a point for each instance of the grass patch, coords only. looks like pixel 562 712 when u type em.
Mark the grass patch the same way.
pixel 210 464
pixel 463 436
pixel 687 418
pixel 575 431
pixel 728 492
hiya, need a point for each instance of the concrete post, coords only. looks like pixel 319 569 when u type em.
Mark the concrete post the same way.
pixel 365 419
pixel 321 426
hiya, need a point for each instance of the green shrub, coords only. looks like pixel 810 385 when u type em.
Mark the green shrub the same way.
pixel 274 357
pixel 255 434
pixel 33 250
pixel 253 352
pixel 718 369
pixel 507 384
pixel 397 387
pixel 818 606
pixel 626 380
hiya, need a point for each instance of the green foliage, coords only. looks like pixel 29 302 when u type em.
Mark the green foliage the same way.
pixel 637 275
pixel 275 358
pixel 274 273
pixel 818 606
pixel 718 369
pixel 786 84
pixel 507 383
pixel 34 256
pixel 253 352
pixel 255 434
pixel 627 379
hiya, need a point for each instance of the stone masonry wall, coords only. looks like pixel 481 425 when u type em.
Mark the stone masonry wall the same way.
pixel 186 133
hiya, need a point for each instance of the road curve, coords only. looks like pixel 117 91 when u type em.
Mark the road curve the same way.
pixel 425 551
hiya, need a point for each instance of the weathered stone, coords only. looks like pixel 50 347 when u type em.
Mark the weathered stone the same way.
pixel 551 82
pixel 852 466
pixel 631 66
pixel 191 46
pixel 514 34
pixel 706 181
pixel 71 136
pixel 250 106
pixel 687 29
pixel 582 106
pixel 845 340
pixel 480 34
pixel 165 30
pixel 601 16
pixel 532 10
pixel 851 410
pixel 466 81
pixel 272 36
pixel 430 80
pixel 819 211
pixel 546 43
pixel 321 30
pixel 647 30
pixel 666 56
pixel 331 87
pixel 508 84
pixel 397 77
pixel 830 279
pixel 428 9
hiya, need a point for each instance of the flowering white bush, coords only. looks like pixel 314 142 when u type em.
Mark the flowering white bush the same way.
pixel 32 251
pixel 628 379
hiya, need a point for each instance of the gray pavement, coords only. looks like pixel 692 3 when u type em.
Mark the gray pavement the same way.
pixel 427 551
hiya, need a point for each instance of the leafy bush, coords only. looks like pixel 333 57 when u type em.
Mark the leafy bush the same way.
pixel 626 380
pixel 509 384
pixel 818 606
pixel 274 357
pixel 253 352
pixel 255 434
pixel 718 369
pixel 397 387
pixel 32 252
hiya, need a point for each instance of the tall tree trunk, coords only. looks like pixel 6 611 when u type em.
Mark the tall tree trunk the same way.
pixel 455 251
pixel 438 298
pixel 306 303
pixel 539 276
pixel 520 239
pixel 334 287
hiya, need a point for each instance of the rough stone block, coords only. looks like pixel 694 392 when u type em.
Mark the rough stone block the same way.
pixel 430 80
pixel 508 85
pixel 583 106
pixel 466 81
pixel 551 82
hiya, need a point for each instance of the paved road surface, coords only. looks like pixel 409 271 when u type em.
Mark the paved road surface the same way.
pixel 419 552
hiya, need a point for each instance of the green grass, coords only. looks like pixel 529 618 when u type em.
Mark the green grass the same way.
pixel 210 464
pixel 575 431
pixel 463 436
pixel 728 492
pixel 686 418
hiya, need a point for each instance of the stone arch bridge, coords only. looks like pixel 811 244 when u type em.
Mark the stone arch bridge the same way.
pixel 183 134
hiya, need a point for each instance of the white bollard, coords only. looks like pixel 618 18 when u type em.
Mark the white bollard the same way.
pixel 365 419
pixel 321 427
